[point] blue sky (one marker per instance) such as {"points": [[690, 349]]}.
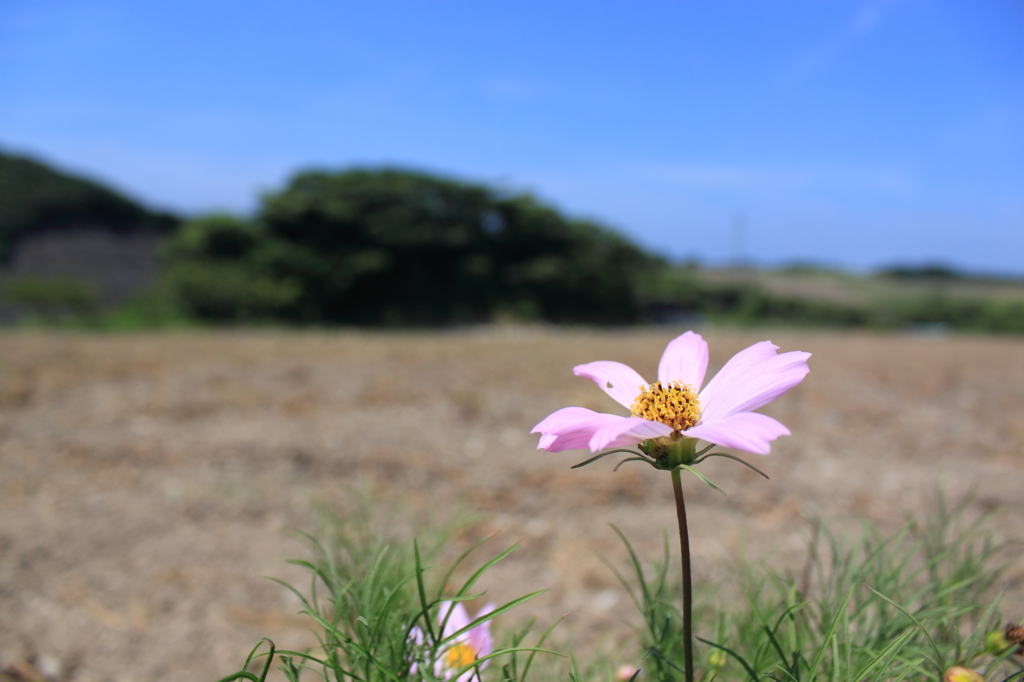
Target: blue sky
{"points": [[856, 134]]}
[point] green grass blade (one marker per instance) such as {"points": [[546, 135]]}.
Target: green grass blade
{"points": [[483, 569], [740, 659], [540, 643], [829, 633], [938, 654], [490, 615], [458, 562], [422, 592]]}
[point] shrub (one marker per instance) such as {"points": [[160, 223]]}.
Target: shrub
{"points": [[53, 297]]}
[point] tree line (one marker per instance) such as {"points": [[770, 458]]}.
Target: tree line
{"points": [[392, 247], [389, 247], [398, 248]]}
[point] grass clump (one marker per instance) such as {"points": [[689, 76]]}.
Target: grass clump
{"points": [[908, 606], [381, 609]]}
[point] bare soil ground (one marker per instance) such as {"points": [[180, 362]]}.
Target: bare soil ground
{"points": [[148, 481]]}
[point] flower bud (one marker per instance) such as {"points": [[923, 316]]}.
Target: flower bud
{"points": [[960, 674], [626, 673], [996, 642], [717, 658]]}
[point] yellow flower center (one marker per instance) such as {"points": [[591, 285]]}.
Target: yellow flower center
{"points": [[675, 405], [459, 655]]}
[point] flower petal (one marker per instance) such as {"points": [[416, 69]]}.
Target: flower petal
{"points": [[480, 636], [457, 617], [685, 359], [571, 428], [627, 431], [747, 431], [741, 361], [416, 635], [752, 378], [621, 382], [416, 638], [558, 418]]}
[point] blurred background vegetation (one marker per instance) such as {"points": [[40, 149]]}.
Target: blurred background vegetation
{"points": [[389, 247]]}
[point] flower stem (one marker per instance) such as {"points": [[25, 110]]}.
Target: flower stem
{"points": [[684, 551]]}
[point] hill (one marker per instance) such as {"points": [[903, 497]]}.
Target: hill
{"points": [[34, 196]]}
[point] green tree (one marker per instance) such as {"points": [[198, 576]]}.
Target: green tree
{"points": [[396, 247], [213, 271], [567, 271], [382, 247]]}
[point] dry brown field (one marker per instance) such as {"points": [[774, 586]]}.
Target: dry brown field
{"points": [[148, 481]]}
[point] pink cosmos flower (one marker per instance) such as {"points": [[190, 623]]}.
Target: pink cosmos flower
{"points": [[464, 649], [675, 407]]}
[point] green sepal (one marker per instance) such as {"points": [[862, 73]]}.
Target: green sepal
{"points": [[632, 459], [674, 453], [701, 477], [604, 454], [733, 457]]}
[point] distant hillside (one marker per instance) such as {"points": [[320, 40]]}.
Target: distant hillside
{"points": [[925, 297], [34, 196], [840, 287]]}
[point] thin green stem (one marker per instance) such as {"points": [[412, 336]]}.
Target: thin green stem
{"points": [[684, 552]]}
